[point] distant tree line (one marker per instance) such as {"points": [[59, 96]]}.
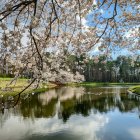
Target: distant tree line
{"points": [[122, 69], [95, 69]]}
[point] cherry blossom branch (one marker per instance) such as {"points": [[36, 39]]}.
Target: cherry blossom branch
{"points": [[14, 8]]}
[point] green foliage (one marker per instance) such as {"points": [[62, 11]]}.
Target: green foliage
{"points": [[6, 75], [108, 70]]}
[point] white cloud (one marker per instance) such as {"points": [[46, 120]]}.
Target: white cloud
{"points": [[131, 32], [94, 2], [76, 126], [102, 11], [135, 132], [84, 23]]}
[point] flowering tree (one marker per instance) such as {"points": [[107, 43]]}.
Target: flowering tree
{"points": [[31, 28]]}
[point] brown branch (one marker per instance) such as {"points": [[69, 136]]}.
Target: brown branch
{"points": [[102, 4], [108, 20], [14, 8], [54, 9], [35, 43], [35, 7], [101, 34], [19, 94]]}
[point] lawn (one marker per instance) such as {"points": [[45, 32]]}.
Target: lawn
{"points": [[100, 84], [19, 85], [135, 89]]}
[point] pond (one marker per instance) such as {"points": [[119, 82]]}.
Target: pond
{"points": [[74, 113]]}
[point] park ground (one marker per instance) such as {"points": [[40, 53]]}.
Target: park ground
{"points": [[135, 89], [18, 85]]}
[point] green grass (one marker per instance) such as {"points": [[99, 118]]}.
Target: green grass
{"points": [[100, 84], [19, 85], [135, 89], [39, 90], [16, 84]]}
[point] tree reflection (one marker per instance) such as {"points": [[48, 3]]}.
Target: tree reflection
{"points": [[68, 101]]}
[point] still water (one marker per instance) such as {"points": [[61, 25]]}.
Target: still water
{"points": [[74, 113]]}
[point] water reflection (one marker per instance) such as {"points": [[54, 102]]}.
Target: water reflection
{"points": [[74, 113], [71, 100]]}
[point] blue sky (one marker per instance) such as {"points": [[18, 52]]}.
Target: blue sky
{"points": [[106, 14]]}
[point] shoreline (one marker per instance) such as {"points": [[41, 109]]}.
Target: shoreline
{"points": [[14, 89]]}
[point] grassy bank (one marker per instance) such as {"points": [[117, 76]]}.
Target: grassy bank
{"points": [[19, 85], [100, 84], [16, 84], [135, 89]]}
